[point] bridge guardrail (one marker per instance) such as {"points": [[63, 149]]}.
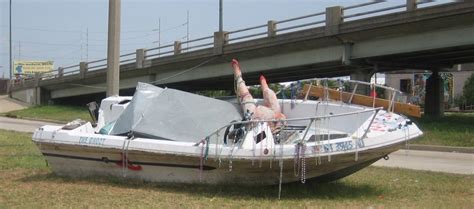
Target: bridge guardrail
{"points": [[260, 31]]}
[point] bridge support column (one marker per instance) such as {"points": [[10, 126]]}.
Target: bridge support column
{"points": [[140, 59], [220, 39], [434, 98], [83, 69], [333, 20], [361, 76]]}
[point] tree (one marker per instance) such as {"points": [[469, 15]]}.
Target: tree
{"points": [[468, 90]]}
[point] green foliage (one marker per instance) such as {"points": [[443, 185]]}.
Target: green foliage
{"points": [[214, 93], [18, 151], [52, 112], [468, 90], [450, 130], [28, 183]]}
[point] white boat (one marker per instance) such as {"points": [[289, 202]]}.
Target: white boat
{"points": [[166, 135]]}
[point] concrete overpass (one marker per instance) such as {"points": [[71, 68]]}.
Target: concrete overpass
{"points": [[339, 41]]}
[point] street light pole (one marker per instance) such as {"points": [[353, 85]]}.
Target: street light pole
{"points": [[221, 24], [113, 49], [11, 65]]}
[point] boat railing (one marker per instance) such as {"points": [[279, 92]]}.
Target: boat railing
{"points": [[284, 122], [347, 90]]}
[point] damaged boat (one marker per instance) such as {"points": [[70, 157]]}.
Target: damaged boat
{"points": [[167, 135]]}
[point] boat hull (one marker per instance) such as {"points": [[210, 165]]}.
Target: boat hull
{"points": [[84, 161]]}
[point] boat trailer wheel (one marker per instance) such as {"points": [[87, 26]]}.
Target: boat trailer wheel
{"points": [[386, 157]]}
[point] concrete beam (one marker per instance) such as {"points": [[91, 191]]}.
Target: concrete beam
{"points": [[140, 58], [261, 64], [271, 28], [220, 39], [429, 40], [411, 5], [77, 89], [347, 53], [60, 72], [83, 67], [177, 47], [333, 20]]}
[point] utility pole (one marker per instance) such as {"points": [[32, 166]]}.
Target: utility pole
{"points": [[159, 35], [82, 46], [19, 50], [221, 23], [187, 29], [11, 64], [113, 49], [87, 44]]}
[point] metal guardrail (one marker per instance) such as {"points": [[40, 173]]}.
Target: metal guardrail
{"points": [[260, 31]]}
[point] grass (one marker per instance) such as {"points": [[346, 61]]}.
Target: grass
{"points": [[454, 129], [26, 182], [52, 112]]}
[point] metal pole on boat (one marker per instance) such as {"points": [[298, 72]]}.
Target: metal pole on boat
{"points": [[113, 49]]}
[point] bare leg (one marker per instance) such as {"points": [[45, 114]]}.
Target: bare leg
{"points": [[270, 98], [245, 98]]}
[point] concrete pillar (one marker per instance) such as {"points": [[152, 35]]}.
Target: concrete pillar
{"points": [[60, 72], [271, 28], [37, 96], [37, 79], [411, 5], [434, 98], [113, 49], [346, 54], [220, 39], [333, 20], [361, 76], [140, 58], [177, 47], [83, 66]]}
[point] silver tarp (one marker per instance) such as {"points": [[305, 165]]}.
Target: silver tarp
{"points": [[174, 115]]}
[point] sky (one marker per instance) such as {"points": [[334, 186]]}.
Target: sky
{"points": [[70, 31]]}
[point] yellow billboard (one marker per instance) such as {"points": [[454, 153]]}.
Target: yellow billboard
{"points": [[32, 67]]}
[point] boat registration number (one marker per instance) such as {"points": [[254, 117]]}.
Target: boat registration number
{"points": [[340, 146], [91, 140]]}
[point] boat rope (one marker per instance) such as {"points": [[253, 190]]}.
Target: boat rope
{"points": [[296, 161], [407, 145], [318, 146], [261, 146], [373, 94], [231, 155], [303, 163], [328, 139], [203, 157], [255, 134], [281, 170], [356, 141], [122, 156], [216, 148], [341, 89], [407, 135]]}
